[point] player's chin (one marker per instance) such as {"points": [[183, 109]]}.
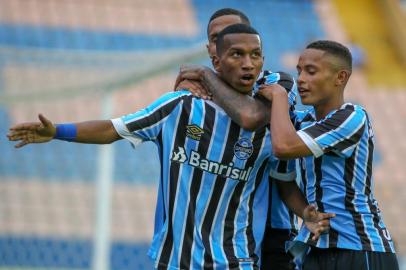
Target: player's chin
{"points": [[307, 101]]}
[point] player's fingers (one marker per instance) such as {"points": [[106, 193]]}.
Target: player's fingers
{"points": [[21, 144], [25, 126], [17, 135], [45, 121], [327, 215], [324, 223], [316, 236], [197, 89]]}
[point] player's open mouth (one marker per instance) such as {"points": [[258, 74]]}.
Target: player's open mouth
{"points": [[247, 79], [303, 91]]}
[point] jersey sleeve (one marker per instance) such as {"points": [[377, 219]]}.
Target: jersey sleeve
{"points": [[146, 124], [283, 170], [339, 132], [282, 78]]}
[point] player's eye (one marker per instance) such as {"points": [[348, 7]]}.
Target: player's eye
{"points": [[311, 71], [256, 54]]}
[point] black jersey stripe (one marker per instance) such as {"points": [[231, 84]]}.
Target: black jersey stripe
{"points": [[227, 157], [368, 189], [204, 144], [155, 117], [292, 220], [234, 203], [282, 166], [349, 169], [330, 123], [269, 213], [319, 192], [160, 147], [180, 138], [332, 238], [250, 234], [353, 139], [286, 81], [303, 176], [333, 234]]}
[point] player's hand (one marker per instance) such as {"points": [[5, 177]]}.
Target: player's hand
{"points": [[34, 132], [195, 73], [268, 91], [317, 222], [195, 87]]}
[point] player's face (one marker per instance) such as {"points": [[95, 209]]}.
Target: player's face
{"points": [[215, 27], [316, 78], [240, 62]]}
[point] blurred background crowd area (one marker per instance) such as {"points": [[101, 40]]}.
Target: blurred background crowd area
{"points": [[72, 206]]}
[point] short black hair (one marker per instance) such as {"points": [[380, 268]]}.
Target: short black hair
{"points": [[238, 28], [228, 11], [334, 48]]}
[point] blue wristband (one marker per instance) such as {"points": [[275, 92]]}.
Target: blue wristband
{"points": [[65, 132]]}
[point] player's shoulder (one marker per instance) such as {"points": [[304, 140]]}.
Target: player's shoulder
{"points": [[304, 114], [173, 96], [352, 106], [177, 94], [354, 109]]}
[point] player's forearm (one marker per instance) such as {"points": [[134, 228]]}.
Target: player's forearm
{"points": [[96, 132], [246, 111], [292, 197], [283, 132]]}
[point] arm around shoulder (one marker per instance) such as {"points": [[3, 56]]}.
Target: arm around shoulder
{"points": [[248, 112]]}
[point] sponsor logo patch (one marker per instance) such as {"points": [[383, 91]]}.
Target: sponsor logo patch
{"points": [[194, 132], [224, 170]]}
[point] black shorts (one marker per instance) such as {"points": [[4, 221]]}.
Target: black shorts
{"points": [[274, 256], [345, 259]]}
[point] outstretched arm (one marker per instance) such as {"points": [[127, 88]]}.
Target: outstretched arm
{"points": [[314, 220], [248, 112], [94, 132]]}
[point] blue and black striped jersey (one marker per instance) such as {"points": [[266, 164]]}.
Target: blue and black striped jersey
{"points": [[338, 179], [213, 191], [279, 215]]}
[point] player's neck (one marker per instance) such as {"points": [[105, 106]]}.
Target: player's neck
{"points": [[322, 110]]}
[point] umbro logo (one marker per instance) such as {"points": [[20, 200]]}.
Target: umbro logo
{"points": [[194, 132]]}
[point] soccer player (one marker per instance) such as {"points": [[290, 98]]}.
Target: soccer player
{"points": [[212, 194], [281, 222], [219, 20], [335, 144]]}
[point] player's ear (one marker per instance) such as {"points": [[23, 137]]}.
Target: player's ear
{"points": [[342, 77], [215, 60]]}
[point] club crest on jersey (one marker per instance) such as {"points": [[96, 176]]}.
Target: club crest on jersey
{"points": [[224, 170], [194, 132], [243, 148]]}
